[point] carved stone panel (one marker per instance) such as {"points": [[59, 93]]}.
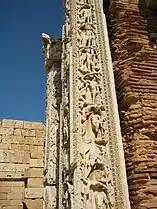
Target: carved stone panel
{"points": [[52, 58], [87, 158]]}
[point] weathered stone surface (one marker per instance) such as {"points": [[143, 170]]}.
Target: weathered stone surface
{"points": [[135, 70], [33, 193], [33, 204], [21, 149], [12, 123], [34, 172], [35, 182], [36, 163]]}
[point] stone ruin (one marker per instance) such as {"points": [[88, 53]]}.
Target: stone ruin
{"points": [[100, 137]]}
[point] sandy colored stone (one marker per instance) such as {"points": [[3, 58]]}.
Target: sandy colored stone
{"points": [[33, 204], [12, 156], [28, 132], [34, 173], [17, 193], [16, 202], [36, 163], [36, 152], [5, 146], [11, 207], [6, 131], [11, 183], [35, 182], [11, 175], [5, 190], [40, 133], [33, 125], [12, 139], [34, 141], [3, 196], [31, 193], [12, 123], [18, 132], [5, 202], [20, 147]]}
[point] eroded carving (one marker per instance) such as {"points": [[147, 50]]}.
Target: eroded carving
{"points": [[52, 58], [51, 50]]}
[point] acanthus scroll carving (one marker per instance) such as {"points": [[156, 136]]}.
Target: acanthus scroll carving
{"points": [[94, 166]]}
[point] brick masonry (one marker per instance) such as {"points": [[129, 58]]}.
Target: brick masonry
{"points": [[21, 164], [135, 68]]}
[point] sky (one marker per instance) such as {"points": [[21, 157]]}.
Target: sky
{"points": [[22, 73]]}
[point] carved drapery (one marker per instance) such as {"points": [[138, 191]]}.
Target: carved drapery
{"points": [[52, 58], [91, 163]]}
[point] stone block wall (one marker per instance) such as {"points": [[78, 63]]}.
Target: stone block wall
{"points": [[21, 164]]}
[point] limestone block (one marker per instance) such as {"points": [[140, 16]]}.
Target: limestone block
{"points": [[3, 196], [17, 193], [5, 190], [40, 133], [33, 125], [33, 204], [31, 193], [7, 167], [34, 173], [12, 123], [11, 167], [36, 163], [11, 175], [21, 167], [34, 140], [5, 202], [6, 131], [28, 132], [12, 139], [12, 156], [36, 152], [20, 147], [17, 132], [35, 182], [5, 146], [16, 202], [11, 207]]}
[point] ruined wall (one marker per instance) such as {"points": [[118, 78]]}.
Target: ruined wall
{"points": [[21, 166], [135, 68]]}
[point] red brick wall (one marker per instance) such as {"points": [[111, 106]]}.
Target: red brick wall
{"points": [[135, 68]]}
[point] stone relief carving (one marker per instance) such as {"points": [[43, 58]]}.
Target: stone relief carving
{"points": [[51, 50], [52, 58], [84, 179], [97, 189]]}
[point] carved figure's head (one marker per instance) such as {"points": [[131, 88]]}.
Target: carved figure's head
{"points": [[51, 50]]}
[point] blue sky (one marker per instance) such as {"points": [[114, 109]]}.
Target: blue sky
{"points": [[22, 74]]}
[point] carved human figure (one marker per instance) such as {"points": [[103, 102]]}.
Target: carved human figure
{"points": [[98, 195], [85, 15]]}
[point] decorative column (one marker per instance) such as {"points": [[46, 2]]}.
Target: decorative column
{"points": [[91, 159], [52, 57]]}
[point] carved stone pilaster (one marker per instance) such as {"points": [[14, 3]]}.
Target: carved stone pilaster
{"points": [[52, 57], [92, 168]]}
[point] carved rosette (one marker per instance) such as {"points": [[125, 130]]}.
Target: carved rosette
{"points": [[90, 154], [52, 58]]}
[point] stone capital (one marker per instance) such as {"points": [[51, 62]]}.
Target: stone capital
{"points": [[51, 50]]}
